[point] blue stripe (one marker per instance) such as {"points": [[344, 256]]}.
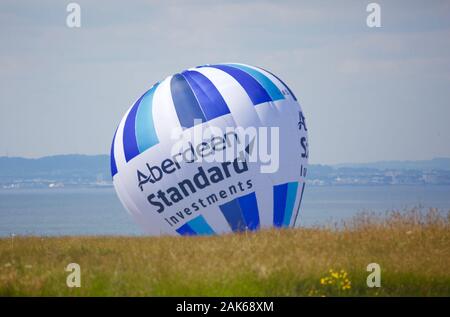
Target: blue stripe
{"points": [[249, 208], [269, 86], [290, 201], [279, 204], [113, 160], [186, 105], [299, 203], [210, 99], [130, 146], [255, 91], [200, 226], [233, 215], [145, 127], [186, 230], [287, 87]]}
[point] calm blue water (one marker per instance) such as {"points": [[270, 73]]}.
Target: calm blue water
{"points": [[99, 212]]}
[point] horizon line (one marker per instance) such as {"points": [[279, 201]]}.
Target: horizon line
{"points": [[309, 163]]}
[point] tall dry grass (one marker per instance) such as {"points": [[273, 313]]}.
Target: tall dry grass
{"points": [[413, 250]]}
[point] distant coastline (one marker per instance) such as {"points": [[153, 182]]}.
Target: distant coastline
{"points": [[92, 171]]}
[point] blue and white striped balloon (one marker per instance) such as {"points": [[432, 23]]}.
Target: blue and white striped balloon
{"points": [[168, 193]]}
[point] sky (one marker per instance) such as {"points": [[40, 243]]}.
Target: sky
{"points": [[368, 94]]}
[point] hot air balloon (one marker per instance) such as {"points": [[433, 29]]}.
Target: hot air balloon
{"points": [[211, 150]]}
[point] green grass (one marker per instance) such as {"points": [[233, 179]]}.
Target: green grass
{"points": [[413, 251]]}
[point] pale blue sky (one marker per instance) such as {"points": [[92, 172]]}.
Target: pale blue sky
{"points": [[368, 93]]}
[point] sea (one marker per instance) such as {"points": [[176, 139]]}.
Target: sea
{"points": [[97, 211]]}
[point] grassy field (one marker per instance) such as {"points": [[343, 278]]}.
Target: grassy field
{"points": [[413, 252]]}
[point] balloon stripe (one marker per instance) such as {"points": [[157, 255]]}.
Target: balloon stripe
{"points": [[269, 86], [186, 230], [145, 127], [299, 204], [119, 154], [209, 98], [113, 160], [186, 105], [164, 114], [255, 91], [129, 134], [291, 194], [287, 87], [238, 101], [200, 226], [233, 214], [249, 207], [279, 203]]}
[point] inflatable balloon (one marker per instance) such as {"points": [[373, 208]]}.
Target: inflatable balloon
{"points": [[212, 150]]}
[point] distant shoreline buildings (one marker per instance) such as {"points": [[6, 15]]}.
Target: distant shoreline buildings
{"points": [[81, 171], [361, 176]]}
